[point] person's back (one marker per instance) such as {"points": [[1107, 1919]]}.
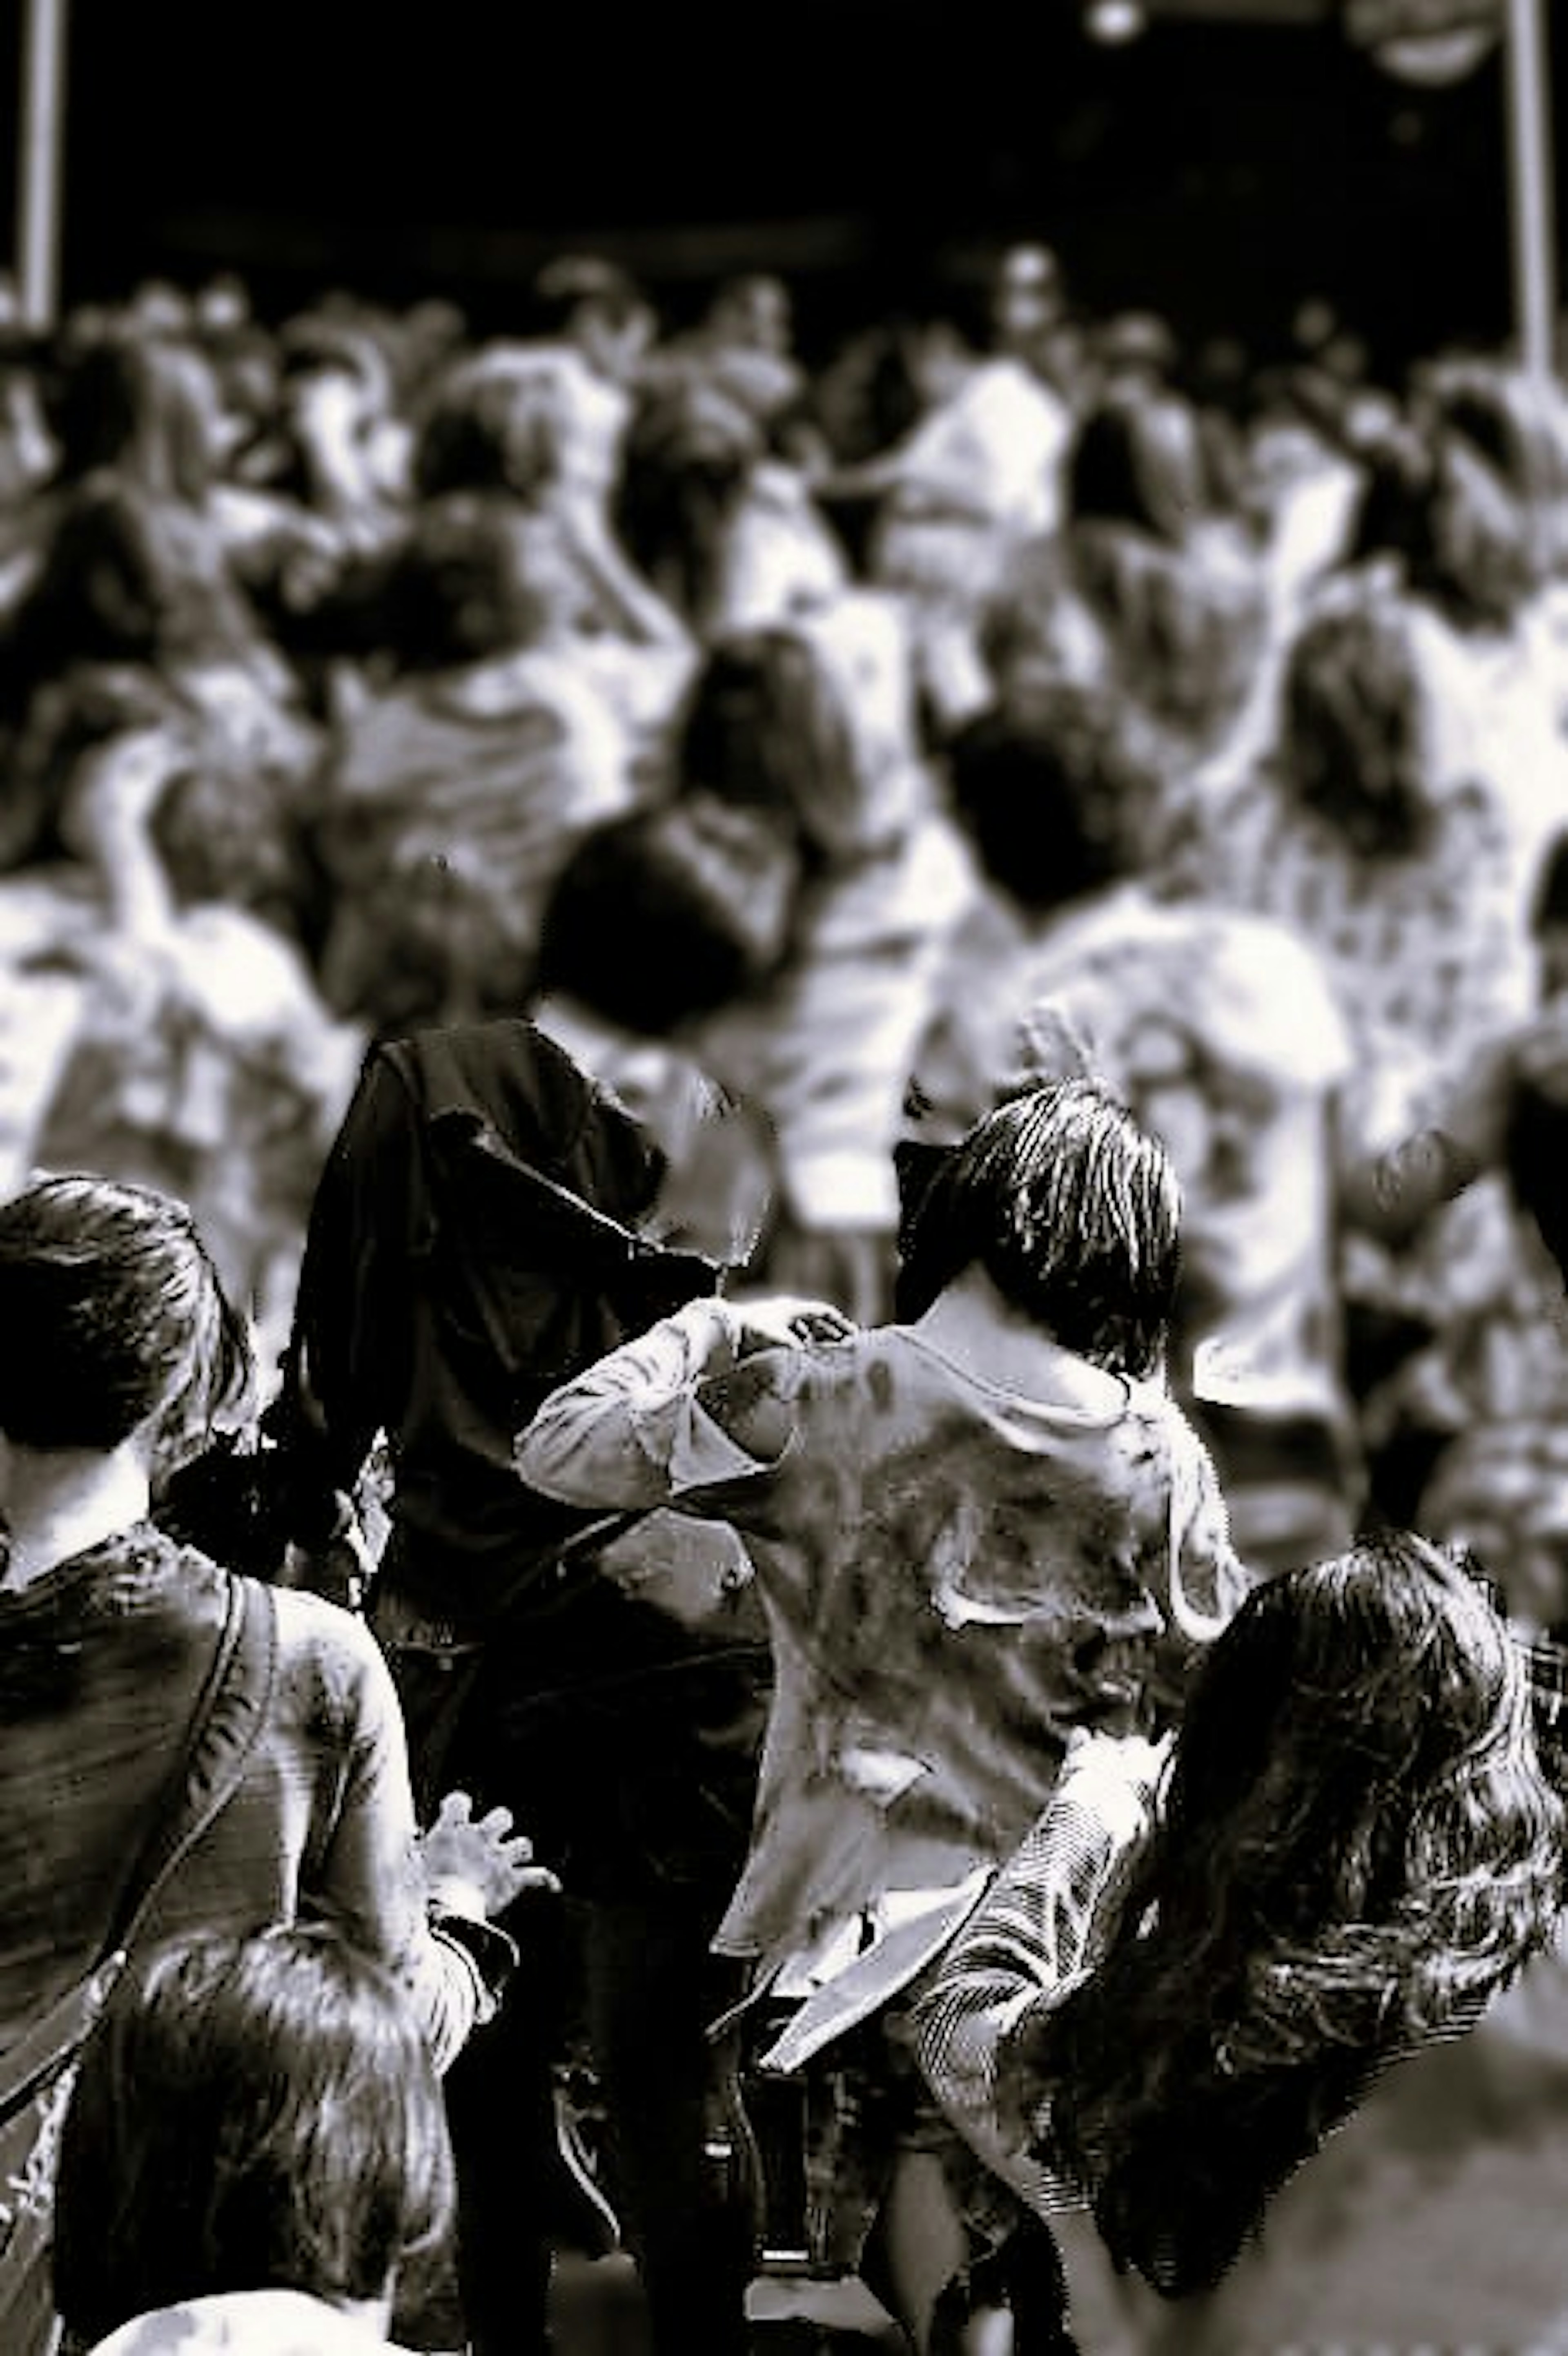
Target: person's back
{"points": [[454, 794], [957, 1574], [476, 1234], [973, 1529]]}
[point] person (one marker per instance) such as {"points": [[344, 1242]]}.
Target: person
{"points": [[1476, 1190], [452, 798], [491, 1216], [253, 2151], [1198, 1963], [980, 469], [972, 1530], [506, 417], [125, 1355], [1153, 563], [799, 740], [724, 528], [131, 622], [200, 1056], [1221, 1031]]}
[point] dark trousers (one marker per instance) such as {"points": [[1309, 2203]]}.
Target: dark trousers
{"points": [[630, 1970], [652, 1987]]}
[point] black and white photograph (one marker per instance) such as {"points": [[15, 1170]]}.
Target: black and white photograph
{"points": [[783, 1178]]}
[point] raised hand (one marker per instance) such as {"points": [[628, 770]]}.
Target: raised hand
{"points": [[477, 1866]]}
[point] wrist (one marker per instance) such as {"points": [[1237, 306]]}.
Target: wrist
{"points": [[453, 1894]]}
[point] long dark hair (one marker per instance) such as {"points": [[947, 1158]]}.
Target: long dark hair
{"points": [[766, 727], [1357, 1848]]}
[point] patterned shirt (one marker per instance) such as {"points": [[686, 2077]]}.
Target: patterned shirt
{"points": [[100, 1662], [954, 1578]]}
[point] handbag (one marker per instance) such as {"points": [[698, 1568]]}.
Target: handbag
{"points": [[38, 2072]]}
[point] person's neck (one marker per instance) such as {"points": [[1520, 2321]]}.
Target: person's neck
{"points": [[974, 1329], [59, 1502]]}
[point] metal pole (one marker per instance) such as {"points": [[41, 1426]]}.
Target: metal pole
{"points": [[39, 174], [1531, 210]]}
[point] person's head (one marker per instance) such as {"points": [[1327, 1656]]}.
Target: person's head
{"points": [[252, 2112], [1027, 299], [1501, 1489], [1073, 1214], [1139, 459], [476, 577], [585, 300], [672, 912], [144, 404], [719, 1155], [1356, 1846], [227, 835], [1057, 793], [765, 728], [126, 579], [1354, 736], [689, 459], [494, 421], [118, 1328], [754, 313], [1134, 350]]}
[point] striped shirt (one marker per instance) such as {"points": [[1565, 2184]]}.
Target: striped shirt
{"points": [[1046, 1920]]}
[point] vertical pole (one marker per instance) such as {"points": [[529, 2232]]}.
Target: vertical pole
{"points": [[1531, 207], [39, 175]]}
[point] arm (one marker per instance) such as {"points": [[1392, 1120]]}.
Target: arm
{"points": [[1030, 1940], [346, 1371], [112, 801], [1389, 1194], [406, 1900], [671, 1415]]}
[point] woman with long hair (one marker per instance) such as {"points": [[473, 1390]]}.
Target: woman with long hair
{"points": [[1196, 1967]]}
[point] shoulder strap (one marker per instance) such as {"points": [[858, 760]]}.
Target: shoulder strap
{"points": [[230, 1713]]}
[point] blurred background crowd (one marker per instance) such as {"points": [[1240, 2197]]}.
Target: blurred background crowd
{"points": [[1008, 685]]}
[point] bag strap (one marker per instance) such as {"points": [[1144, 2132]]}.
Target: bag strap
{"points": [[230, 1714], [241, 1671]]}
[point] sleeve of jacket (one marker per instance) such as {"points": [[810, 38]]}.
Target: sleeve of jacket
{"points": [[365, 1872], [651, 1423], [1026, 1946], [348, 1366]]}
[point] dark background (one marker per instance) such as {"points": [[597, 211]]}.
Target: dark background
{"points": [[867, 148]]}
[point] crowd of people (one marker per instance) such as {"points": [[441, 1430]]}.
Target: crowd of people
{"points": [[841, 1083]]}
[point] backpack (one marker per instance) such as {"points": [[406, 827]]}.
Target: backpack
{"points": [[38, 2072]]}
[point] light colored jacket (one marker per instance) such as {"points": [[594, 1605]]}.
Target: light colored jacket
{"points": [[954, 1578]]}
